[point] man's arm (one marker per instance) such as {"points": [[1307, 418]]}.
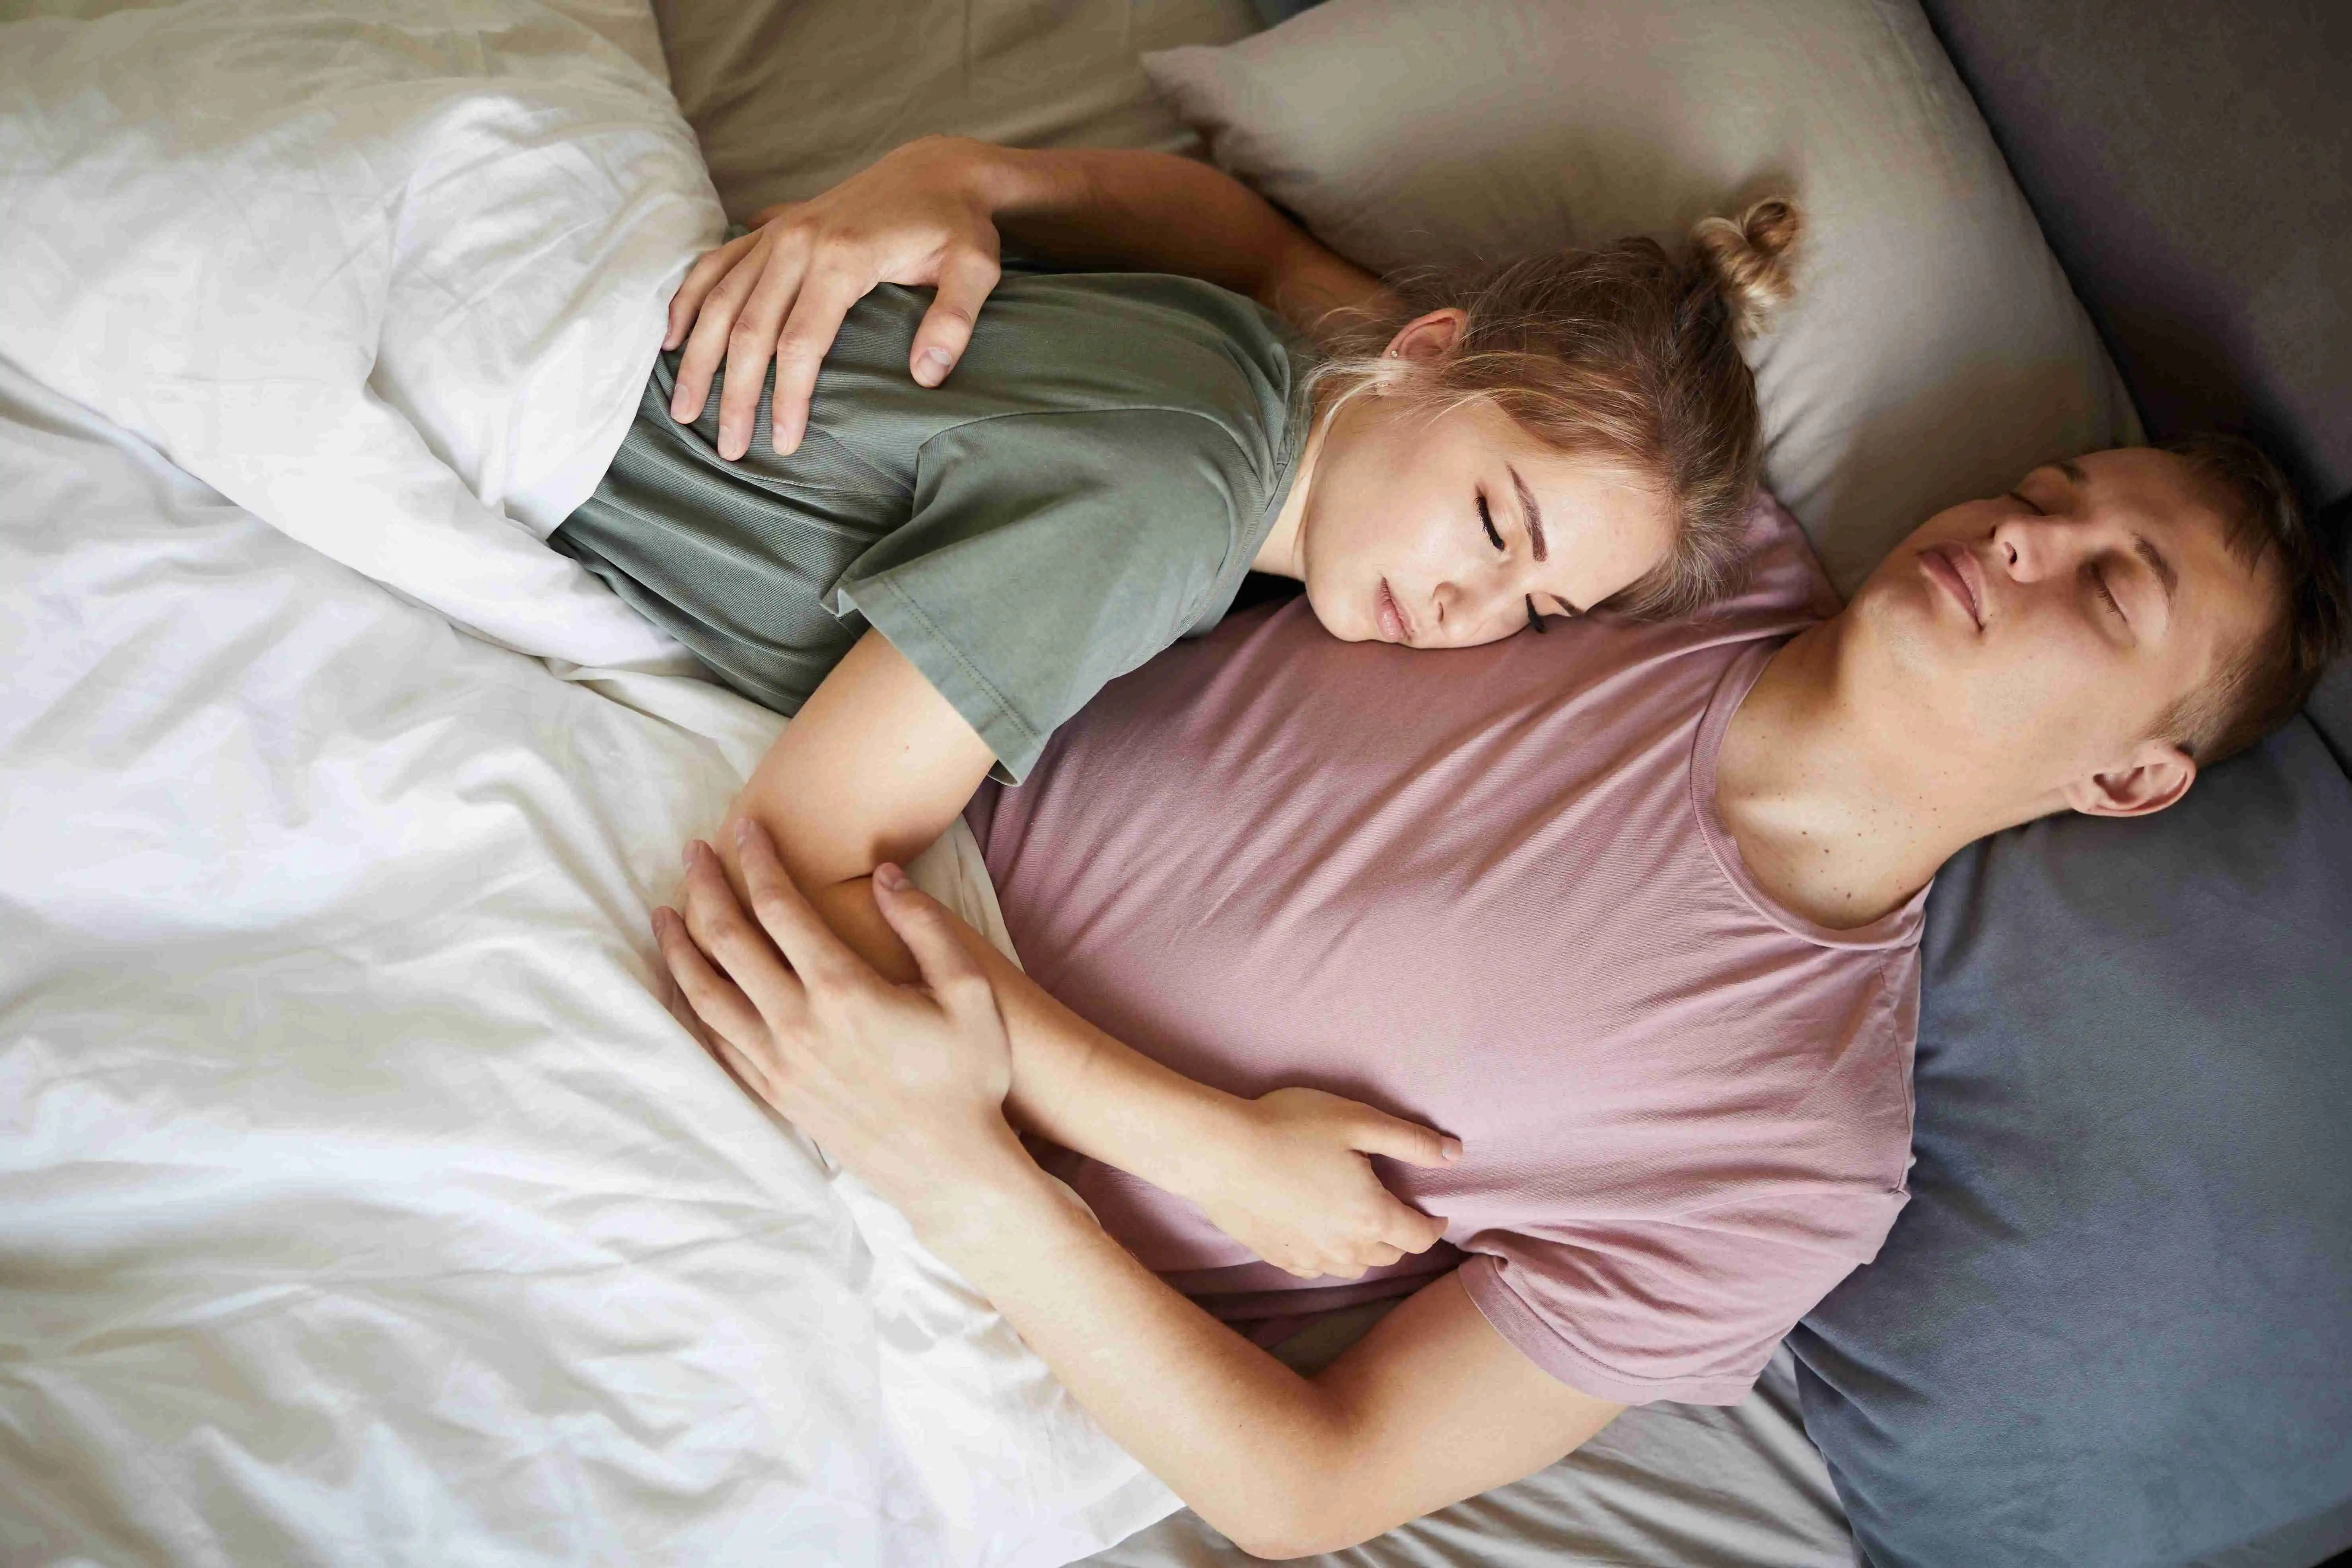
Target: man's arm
{"points": [[902, 1085], [928, 214]]}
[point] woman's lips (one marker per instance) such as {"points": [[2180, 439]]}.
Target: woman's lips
{"points": [[1390, 614], [1939, 565]]}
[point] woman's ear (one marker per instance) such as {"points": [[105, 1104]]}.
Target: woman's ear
{"points": [[1428, 337]]}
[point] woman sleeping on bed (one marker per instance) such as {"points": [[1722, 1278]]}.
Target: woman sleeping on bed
{"points": [[931, 580]]}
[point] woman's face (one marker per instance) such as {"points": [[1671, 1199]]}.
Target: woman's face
{"points": [[1451, 529]]}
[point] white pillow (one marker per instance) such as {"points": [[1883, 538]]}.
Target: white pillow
{"points": [[1934, 352]]}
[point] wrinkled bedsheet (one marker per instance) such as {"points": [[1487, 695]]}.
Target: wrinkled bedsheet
{"points": [[358, 1201]]}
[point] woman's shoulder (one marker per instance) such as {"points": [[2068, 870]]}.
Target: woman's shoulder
{"points": [[1101, 340]]}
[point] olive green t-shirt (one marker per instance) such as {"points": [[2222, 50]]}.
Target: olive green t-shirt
{"points": [[1090, 484]]}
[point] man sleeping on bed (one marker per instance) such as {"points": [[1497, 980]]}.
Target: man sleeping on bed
{"points": [[1631, 910]]}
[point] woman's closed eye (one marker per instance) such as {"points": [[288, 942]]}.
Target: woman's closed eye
{"points": [[1487, 521]]}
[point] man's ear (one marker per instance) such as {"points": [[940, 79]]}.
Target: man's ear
{"points": [[1428, 337], [2159, 774]]}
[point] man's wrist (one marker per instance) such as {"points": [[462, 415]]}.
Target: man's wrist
{"points": [[988, 1199], [1021, 182]]}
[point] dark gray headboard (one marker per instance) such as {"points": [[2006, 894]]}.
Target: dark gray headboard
{"points": [[2191, 162]]}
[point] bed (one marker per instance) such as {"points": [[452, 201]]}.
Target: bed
{"points": [[358, 1202]]}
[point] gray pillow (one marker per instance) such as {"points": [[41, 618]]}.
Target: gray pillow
{"points": [[2114, 1326], [1934, 352]]}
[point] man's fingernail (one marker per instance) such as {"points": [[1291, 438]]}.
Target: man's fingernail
{"points": [[933, 367], [889, 876], [742, 832]]}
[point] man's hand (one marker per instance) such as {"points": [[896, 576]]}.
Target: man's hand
{"points": [[903, 1085], [1295, 1184], [919, 217]]}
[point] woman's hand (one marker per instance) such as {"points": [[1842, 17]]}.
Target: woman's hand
{"points": [[920, 215], [1294, 1185], [903, 1085]]}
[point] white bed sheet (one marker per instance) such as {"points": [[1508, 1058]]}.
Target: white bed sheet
{"points": [[358, 1202]]}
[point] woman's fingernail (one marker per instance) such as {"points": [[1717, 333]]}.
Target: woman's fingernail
{"points": [[742, 832], [889, 876], [933, 367], [686, 855], [1452, 1148]]}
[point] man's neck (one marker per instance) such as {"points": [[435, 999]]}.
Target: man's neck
{"points": [[1834, 806]]}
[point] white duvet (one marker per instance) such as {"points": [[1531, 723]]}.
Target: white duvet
{"points": [[359, 1202]]}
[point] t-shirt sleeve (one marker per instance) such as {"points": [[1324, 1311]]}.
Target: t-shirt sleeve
{"points": [[1686, 1308], [1050, 553]]}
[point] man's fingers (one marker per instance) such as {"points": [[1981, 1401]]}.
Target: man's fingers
{"points": [[965, 282], [736, 946], [752, 342], [1377, 1133], [928, 931], [716, 1001], [824, 298], [706, 344], [700, 278], [808, 943]]}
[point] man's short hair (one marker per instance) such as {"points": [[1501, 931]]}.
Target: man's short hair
{"points": [[2262, 687]]}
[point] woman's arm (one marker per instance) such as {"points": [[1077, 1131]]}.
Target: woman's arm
{"points": [[874, 766], [928, 214], [899, 1084]]}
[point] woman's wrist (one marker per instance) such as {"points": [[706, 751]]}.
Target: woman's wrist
{"points": [[1192, 1148]]}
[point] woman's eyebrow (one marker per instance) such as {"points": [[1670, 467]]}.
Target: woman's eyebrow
{"points": [[1533, 513]]}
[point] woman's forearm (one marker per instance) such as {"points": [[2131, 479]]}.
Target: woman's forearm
{"points": [[1165, 214], [1072, 1084]]}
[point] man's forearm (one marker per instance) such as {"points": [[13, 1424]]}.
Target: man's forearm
{"points": [[1254, 1447], [1159, 212]]}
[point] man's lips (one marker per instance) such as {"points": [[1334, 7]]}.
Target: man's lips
{"points": [[1958, 574], [1390, 614]]}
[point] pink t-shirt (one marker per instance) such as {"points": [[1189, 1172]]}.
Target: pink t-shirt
{"points": [[1486, 889]]}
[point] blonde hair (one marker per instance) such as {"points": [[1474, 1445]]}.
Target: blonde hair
{"points": [[1625, 353]]}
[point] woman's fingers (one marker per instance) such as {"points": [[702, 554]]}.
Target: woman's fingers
{"points": [[966, 280], [822, 304], [1410, 1230], [1376, 1133]]}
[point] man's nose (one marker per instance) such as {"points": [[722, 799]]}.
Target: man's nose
{"points": [[2030, 548]]}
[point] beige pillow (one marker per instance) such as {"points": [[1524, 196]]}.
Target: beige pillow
{"points": [[789, 97], [1934, 352]]}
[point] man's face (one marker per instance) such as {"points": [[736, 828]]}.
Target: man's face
{"points": [[2032, 644]]}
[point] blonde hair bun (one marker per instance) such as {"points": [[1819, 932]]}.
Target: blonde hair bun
{"points": [[1750, 259]]}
